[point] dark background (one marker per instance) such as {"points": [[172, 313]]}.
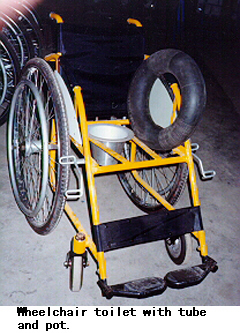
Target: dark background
{"points": [[166, 23]]}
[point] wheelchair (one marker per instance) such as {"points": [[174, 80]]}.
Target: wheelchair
{"points": [[49, 132]]}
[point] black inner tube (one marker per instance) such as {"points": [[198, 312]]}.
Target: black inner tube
{"points": [[193, 92]]}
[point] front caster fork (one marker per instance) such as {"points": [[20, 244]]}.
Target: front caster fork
{"points": [[76, 261]]}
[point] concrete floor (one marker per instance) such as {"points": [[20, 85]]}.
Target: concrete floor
{"points": [[32, 271]]}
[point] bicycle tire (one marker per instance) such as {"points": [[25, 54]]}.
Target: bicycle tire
{"points": [[26, 22], [19, 38], [10, 75], [28, 148], [40, 73]]}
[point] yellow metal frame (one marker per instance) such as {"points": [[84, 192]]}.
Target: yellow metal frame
{"points": [[182, 154]]}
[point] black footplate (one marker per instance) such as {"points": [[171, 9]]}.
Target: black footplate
{"points": [[147, 287], [187, 277], [140, 288]]}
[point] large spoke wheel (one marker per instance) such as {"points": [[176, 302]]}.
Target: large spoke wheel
{"points": [[37, 139], [168, 181], [28, 158]]}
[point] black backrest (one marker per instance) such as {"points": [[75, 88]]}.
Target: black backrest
{"points": [[102, 61]]}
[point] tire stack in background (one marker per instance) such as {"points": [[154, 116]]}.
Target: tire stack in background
{"points": [[21, 38]]}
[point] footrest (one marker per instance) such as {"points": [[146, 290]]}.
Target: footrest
{"points": [[140, 288], [183, 278]]}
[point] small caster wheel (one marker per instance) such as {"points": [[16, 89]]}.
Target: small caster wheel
{"points": [[76, 265], [179, 248]]}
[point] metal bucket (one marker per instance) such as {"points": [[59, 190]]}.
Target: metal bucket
{"points": [[113, 136]]}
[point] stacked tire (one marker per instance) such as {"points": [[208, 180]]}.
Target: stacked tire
{"points": [[21, 38]]}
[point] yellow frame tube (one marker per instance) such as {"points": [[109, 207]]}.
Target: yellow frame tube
{"points": [[90, 178], [131, 165], [77, 224], [200, 235]]}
